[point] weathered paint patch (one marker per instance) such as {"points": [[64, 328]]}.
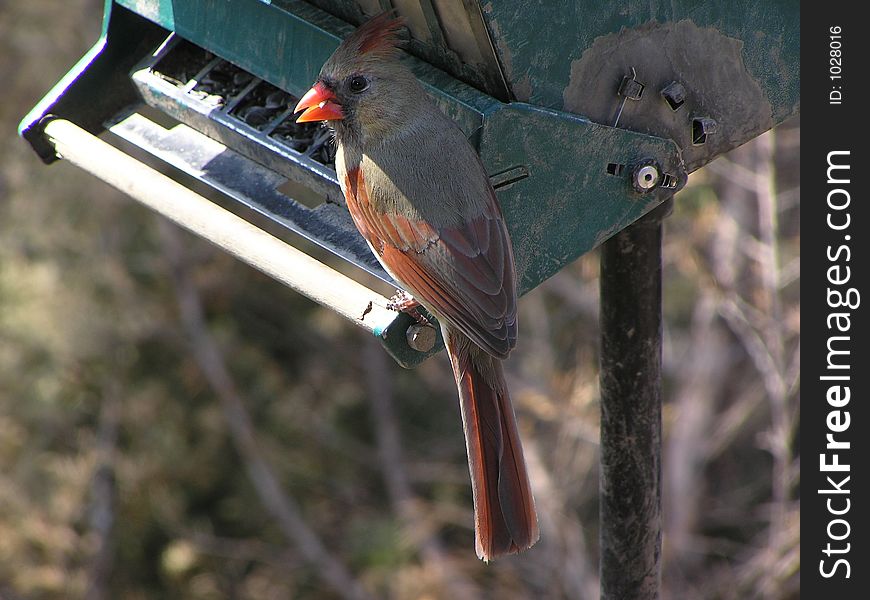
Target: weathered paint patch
{"points": [[709, 64], [540, 41]]}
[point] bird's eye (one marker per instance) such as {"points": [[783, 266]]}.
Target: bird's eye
{"points": [[358, 84]]}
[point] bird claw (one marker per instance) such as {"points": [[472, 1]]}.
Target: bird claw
{"points": [[402, 301]]}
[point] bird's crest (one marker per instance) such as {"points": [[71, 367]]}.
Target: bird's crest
{"points": [[376, 37]]}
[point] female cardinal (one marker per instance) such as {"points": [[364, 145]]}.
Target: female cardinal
{"points": [[420, 196]]}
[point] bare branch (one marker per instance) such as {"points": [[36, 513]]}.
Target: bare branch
{"points": [[687, 445], [566, 557], [402, 498], [280, 505], [104, 494], [773, 331]]}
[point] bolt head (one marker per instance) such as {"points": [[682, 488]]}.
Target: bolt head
{"points": [[421, 337], [646, 177]]}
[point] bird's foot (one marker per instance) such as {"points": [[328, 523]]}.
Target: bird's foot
{"points": [[402, 301]]}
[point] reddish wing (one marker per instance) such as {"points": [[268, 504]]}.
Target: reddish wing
{"points": [[465, 274]]}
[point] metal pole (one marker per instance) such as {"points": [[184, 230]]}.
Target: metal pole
{"points": [[631, 398]]}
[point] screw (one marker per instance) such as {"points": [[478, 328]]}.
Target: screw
{"points": [[646, 176], [421, 337]]}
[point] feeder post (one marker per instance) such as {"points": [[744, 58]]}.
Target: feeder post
{"points": [[631, 400]]}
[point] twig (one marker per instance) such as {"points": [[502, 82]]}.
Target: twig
{"points": [[104, 495], [561, 563], [566, 559], [687, 449], [764, 361], [759, 325], [731, 422], [280, 505], [773, 332], [252, 550], [402, 498], [742, 176]]}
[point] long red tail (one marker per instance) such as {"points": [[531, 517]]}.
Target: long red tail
{"points": [[504, 509]]}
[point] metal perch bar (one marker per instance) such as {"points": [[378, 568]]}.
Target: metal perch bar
{"points": [[352, 300], [631, 400]]}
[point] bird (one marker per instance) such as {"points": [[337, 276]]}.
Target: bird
{"points": [[419, 194]]}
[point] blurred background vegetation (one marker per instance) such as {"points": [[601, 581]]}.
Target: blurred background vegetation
{"points": [[175, 425]]}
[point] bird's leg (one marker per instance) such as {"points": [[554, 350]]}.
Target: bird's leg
{"points": [[404, 302]]}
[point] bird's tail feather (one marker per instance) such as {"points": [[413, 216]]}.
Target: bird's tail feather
{"points": [[505, 521]]}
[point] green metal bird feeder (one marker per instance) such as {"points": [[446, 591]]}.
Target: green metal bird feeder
{"points": [[587, 115]]}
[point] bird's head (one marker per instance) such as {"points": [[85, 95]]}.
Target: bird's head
{"points": [[363, 90]]}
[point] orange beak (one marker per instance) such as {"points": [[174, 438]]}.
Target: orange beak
{"points": [[318, 105]]}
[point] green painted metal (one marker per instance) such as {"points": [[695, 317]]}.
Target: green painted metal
{"points": [[550, 152], [539, 58], [286, 43], [568, 204], [557, 196], [106, 66], [739, 61], [394, 340]]}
